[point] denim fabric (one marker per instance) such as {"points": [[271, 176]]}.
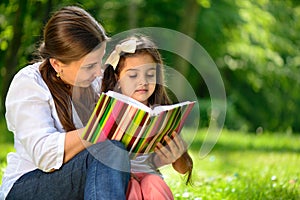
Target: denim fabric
{"points": [[99, 172]]}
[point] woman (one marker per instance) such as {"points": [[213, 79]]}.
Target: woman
{"points": [[48, 104]]}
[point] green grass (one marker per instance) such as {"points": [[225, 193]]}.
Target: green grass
{"points": [[240, 166]]}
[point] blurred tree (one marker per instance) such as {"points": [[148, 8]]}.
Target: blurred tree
{"points": [[10, 63], [261, 64], [254, 43], [21, 31]]}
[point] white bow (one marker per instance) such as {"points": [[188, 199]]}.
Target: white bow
{"points": [[127, 47]]}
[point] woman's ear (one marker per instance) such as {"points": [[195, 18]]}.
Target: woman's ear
{"points": [[56, 64]]}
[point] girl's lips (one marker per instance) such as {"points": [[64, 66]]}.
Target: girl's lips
{"points": [[142, 90]]}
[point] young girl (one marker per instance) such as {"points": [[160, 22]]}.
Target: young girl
{"points": [[135, 68]]}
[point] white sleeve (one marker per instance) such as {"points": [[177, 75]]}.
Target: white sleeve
{"points": [[29, 115]]}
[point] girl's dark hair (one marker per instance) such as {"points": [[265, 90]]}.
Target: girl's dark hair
{"points": [[70, 34], [159, 96], [144, 46]]}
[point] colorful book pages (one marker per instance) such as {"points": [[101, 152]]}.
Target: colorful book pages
{"points": [[138, 129]]}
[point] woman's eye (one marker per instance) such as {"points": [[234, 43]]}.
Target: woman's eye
{"points": [[89, 67]]}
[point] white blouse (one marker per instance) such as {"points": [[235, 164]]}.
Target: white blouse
{"points": [[38, 133]]}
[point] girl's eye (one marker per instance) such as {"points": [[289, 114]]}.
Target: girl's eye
{"points": [[151, 75], [132, 75]]}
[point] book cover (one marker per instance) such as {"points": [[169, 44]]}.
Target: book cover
{"points": [[137, 126]]}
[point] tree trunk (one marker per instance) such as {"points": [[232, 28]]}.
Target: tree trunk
{"points": [[11, 62], [187, 26], [132, 14]]}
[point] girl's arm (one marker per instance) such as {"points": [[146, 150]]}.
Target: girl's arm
{"points": [[183, 164], [174, 153]]}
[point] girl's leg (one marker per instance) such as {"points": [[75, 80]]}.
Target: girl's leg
{"points": [[84, 176], [134, 191], [154, 187]]}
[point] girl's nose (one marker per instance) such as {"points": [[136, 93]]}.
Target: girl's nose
{"points": [[143, 80]]}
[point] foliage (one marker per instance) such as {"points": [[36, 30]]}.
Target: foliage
{"points": [[261, 64], [5, 149], [254, 43], [5, 135]]}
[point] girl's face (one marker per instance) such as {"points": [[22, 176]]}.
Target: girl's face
{"points": [[83, 72], [138, 77]]}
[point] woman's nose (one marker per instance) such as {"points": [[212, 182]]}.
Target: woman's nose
{"points": [[98, 70]]}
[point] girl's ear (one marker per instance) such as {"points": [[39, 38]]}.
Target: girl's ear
{"points": [[117, 81], [118, 87], [56, 64]]}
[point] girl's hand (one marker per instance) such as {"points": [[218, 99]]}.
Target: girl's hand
{"points": [[169, 153]]}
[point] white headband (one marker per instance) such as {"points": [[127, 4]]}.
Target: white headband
{"points": [[126, 47]]}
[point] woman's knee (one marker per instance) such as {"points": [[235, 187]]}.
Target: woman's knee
{"points": [[106, 146], [112, 154], [117, 144]]}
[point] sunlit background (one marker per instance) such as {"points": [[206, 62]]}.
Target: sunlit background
{"points": [[255, 45]]}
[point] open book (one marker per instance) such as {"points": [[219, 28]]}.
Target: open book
{"points": [[138, 127]]}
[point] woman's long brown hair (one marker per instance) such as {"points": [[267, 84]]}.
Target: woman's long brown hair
{"points": [[70, 34], [159, 96]]}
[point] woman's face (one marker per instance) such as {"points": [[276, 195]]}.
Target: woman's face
{"points": [[83, 72], [138, 77]]}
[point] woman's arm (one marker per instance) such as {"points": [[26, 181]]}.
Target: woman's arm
{"points": [[74, 144], [38, 133]]}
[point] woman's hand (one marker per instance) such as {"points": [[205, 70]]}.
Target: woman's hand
{"points": [[169, 153]]}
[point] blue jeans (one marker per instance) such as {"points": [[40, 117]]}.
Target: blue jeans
{"points": [[100, 172]]}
